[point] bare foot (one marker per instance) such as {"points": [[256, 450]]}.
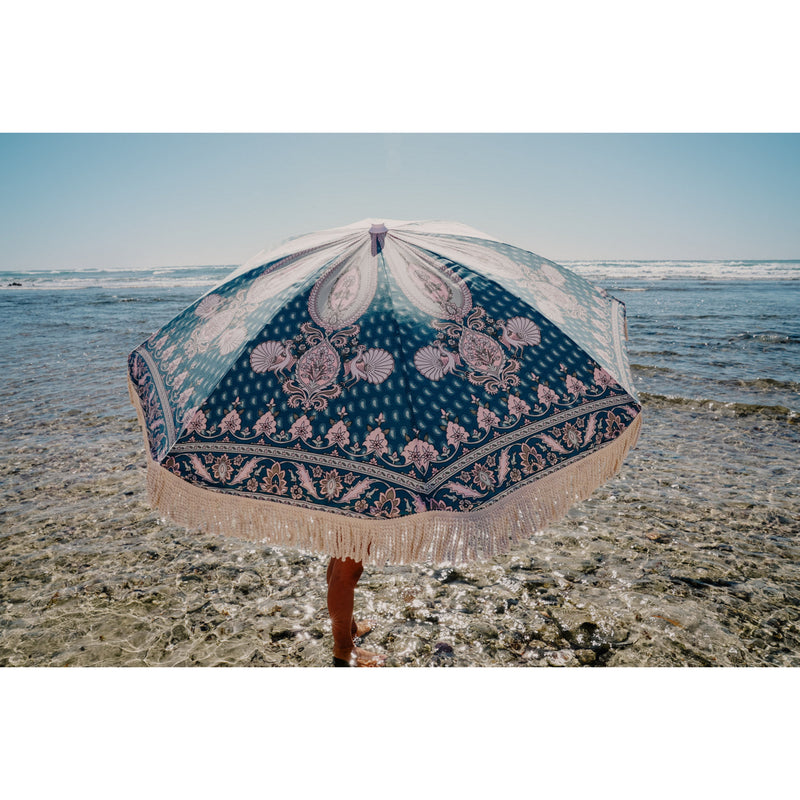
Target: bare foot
{"points": [[362, 627], [358, 657], [366, 658]]}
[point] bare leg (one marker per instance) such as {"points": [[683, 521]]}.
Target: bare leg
{"points": [[362, 627], [342, 577]]}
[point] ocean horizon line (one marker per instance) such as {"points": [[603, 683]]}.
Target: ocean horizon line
{"points": [[565, 261]]}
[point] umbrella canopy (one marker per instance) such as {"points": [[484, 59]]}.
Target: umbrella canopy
{"points": [[390, 392]]}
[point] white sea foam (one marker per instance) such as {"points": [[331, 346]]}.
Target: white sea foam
{"points": [[114, 278], [619, 271], [607, 273]]}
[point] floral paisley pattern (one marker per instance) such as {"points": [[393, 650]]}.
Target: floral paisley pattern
{"points": [[381, 385], [314, 381], [484, 359]]}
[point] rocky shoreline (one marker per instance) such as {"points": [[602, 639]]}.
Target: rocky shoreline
{"points": [[690, 557]]}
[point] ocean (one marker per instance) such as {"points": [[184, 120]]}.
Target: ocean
{"points": [[690, 556]]}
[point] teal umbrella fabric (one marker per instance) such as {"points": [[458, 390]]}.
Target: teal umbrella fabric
{"points": [[392, 392]]}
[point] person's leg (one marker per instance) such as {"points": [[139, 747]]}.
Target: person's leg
{"points": [[342, 577], [361, 628]]}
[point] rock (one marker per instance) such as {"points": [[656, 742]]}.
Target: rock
{"points": [[560, 658], [282, 629], [482, 630], [585, 635], [248, 581], [548, 632], [448, 575], [443, 655], [534, 583], [179, 634], [585, 657], [550, 599]]}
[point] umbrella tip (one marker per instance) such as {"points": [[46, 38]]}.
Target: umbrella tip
{"points": [[378, 233]]}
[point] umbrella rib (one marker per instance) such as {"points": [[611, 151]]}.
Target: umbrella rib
{"points": [[398, 338]]}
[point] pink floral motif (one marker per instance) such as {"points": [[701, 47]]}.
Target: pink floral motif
{"points": [[481, 352], [420, 454], [197, 423], [376, 442], [487, 419], [265, 424], [483, 476], [602, 378], [390, 498], [456, 434], [517, 407], [546, 395], [528, 455], [318, 366], [222, 469], [314, 382], [614, 425], [301, 428], [331, 485], [274, 481], [338, 435], [571, 436], [231, 423], [574, 386]]}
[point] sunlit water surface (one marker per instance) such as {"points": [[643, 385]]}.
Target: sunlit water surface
{"points": [[689, 557]]}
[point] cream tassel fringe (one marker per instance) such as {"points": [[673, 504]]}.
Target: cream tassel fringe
{"points": [[431, 536]]}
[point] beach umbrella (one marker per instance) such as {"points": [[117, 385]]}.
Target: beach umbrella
{"points": [[391, 392]]}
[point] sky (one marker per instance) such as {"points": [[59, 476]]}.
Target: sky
{"points": [[144, 200]]}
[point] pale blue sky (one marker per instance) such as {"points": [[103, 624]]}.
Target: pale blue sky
{"points": [[137, 200]]}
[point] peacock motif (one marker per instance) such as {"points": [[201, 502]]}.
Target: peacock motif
{"points": [[486, 361]]}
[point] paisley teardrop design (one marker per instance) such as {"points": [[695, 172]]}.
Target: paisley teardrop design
{"points": [[345, 291], [481, 352], [433, 288], [318, 367]]}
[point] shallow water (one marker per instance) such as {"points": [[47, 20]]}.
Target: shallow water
{"points": [[681, 560], [691, 556]]}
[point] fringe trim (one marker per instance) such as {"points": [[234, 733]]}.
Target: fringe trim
{"points": [[431, 536]]}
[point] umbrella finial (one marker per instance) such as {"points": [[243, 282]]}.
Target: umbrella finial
{"points": [[378, 233]]}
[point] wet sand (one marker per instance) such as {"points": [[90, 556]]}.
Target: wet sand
{"points": [[690, 557]]}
